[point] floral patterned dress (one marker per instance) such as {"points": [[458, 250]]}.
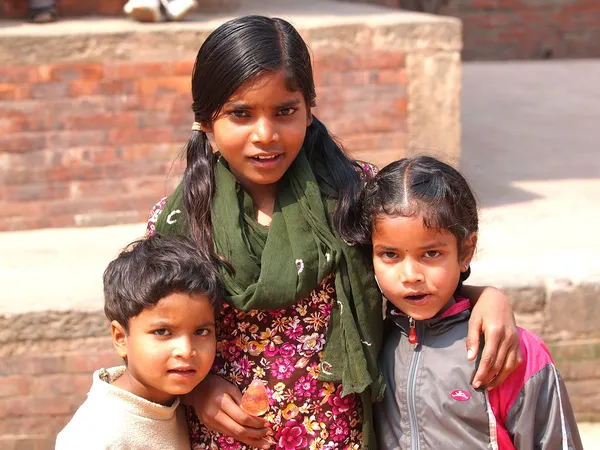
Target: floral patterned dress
{"points": [[284, 348]]}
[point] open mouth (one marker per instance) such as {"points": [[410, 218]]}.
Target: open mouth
{"points": [[264, 158], [415, 298]]}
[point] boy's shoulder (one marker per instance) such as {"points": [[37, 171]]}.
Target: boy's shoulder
{"points": [[111, 418], [98, 422]]}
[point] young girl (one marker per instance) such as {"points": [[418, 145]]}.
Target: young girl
{"points": [[302, 310], [419, 218]]}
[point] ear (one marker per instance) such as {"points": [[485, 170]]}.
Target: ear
{"points": [[469, 245], [119, 338], [309, 117], [210, 135]]}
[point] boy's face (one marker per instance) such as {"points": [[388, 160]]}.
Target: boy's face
{"points": [[417, 268], [169, 348]]}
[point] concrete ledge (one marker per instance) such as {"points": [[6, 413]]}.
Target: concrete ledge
{"points": [[102, 40]]}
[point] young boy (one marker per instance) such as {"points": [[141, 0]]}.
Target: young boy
{"points": [[161, 297]]}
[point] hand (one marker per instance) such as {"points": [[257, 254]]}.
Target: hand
{"points": [[493, 315], [216, 402]]}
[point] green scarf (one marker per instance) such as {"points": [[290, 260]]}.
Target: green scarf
{"points": [[276, 267]]}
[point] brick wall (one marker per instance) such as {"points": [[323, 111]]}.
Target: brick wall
{"points": [[40, 390], [91, 132], [92, 144], [528, 29], [47, 358], [521, 29]]}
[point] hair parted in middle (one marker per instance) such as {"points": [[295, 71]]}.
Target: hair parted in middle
{"points": [[153, 268], [237, 52], [418, 186]]}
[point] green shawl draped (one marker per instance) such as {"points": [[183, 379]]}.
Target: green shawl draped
{"points": [[278, 266]]}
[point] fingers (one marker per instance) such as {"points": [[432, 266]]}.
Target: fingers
{"points": [[473, 336], [511, 363], [215, 401], [232, 421], [254, 437], [233, 410], [485, 372]]}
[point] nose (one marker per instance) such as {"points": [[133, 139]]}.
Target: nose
{"points": [[265, 131], [184, 348], [410, 272]]}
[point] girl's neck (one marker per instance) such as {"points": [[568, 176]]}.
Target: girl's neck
{"points": [[263, 198]]}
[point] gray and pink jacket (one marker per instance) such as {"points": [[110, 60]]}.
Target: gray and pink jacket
{"points": [[429, 402]]}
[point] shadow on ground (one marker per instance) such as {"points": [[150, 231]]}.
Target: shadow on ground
{"points": [[529, 121]]}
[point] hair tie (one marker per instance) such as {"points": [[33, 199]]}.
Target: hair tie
{"points": [[196, 126]]}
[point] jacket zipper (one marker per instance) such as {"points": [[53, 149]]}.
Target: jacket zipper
{"points": [[412, 381]]}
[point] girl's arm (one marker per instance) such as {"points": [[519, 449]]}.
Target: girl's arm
{"points": [[216, 402], [493, 316]]}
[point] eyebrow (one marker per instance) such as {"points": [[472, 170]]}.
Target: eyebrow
{"points": [[427, 246], [165, 323], [247, 106], [433, 244]]}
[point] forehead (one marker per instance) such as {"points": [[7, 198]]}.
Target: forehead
{"points": [[407, 232], [269, 87], [179, 308]]}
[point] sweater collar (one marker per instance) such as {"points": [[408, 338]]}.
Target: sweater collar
{"points": [[102, 387]]}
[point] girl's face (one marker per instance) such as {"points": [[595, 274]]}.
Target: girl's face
{"points": [[417, 268], [260, 131]]}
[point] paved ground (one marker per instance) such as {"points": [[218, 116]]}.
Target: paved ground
{"points": [[530, 149]]}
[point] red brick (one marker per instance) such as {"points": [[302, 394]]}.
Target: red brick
{"points": [[38, 405], [184, 68], [58, 384], [33, 192], [13, 385], [100, 121], [83, 88], [48, 90], [33, 425], [31, 365], [149, 136], [87, 363], [136, 71], [76, 72], [75, 138], [14, 92], [165, 85], [22, 142]]}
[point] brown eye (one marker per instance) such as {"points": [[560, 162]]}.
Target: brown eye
{"points": [[287, 111]]}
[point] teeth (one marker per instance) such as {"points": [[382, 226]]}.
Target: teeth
{"points": [[266, 157]]}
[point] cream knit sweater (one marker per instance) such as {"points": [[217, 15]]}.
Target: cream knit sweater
{"points": [[112, 418]]}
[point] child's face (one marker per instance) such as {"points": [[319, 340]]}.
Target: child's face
{"points": [[417, 268], [260, 130], [169, 348]]}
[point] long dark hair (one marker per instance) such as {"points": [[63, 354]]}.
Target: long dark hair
{"points": [[238, 51], [417, 186]]}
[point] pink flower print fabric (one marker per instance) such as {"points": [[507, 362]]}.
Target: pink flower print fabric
{"points": [[285, 349]]}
